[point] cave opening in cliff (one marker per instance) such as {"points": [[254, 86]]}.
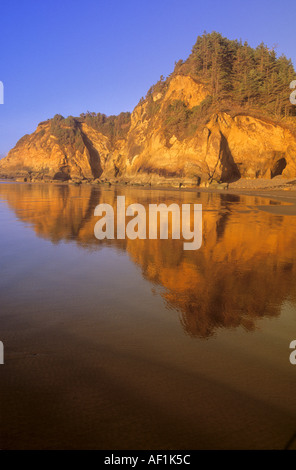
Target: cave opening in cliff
{"points": [[278, 167]]}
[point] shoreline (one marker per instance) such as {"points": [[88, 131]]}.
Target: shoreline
{"points": [[280, 189]]}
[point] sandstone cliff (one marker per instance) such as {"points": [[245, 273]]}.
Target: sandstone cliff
{"points": [[174, 136]]}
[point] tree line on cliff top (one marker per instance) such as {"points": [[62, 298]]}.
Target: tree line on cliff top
{"points": [[239, 79], [68, 130], [238, 73]]}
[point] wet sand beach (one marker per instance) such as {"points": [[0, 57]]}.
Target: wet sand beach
{"points": [[138, 344]]}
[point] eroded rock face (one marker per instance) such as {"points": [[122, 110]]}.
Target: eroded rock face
{"points": [[225, 148], [41, 156]]}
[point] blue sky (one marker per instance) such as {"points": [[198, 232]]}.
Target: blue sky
{"points": [[70, 56]]}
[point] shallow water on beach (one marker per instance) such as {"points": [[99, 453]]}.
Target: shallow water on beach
{"points": [[138, 344]]}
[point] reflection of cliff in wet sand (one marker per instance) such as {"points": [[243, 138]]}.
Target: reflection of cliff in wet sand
{"points": [[244, 270]]}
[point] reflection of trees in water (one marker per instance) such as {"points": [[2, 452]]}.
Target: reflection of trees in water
{"points": [[211, 294], [244, 270]]}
